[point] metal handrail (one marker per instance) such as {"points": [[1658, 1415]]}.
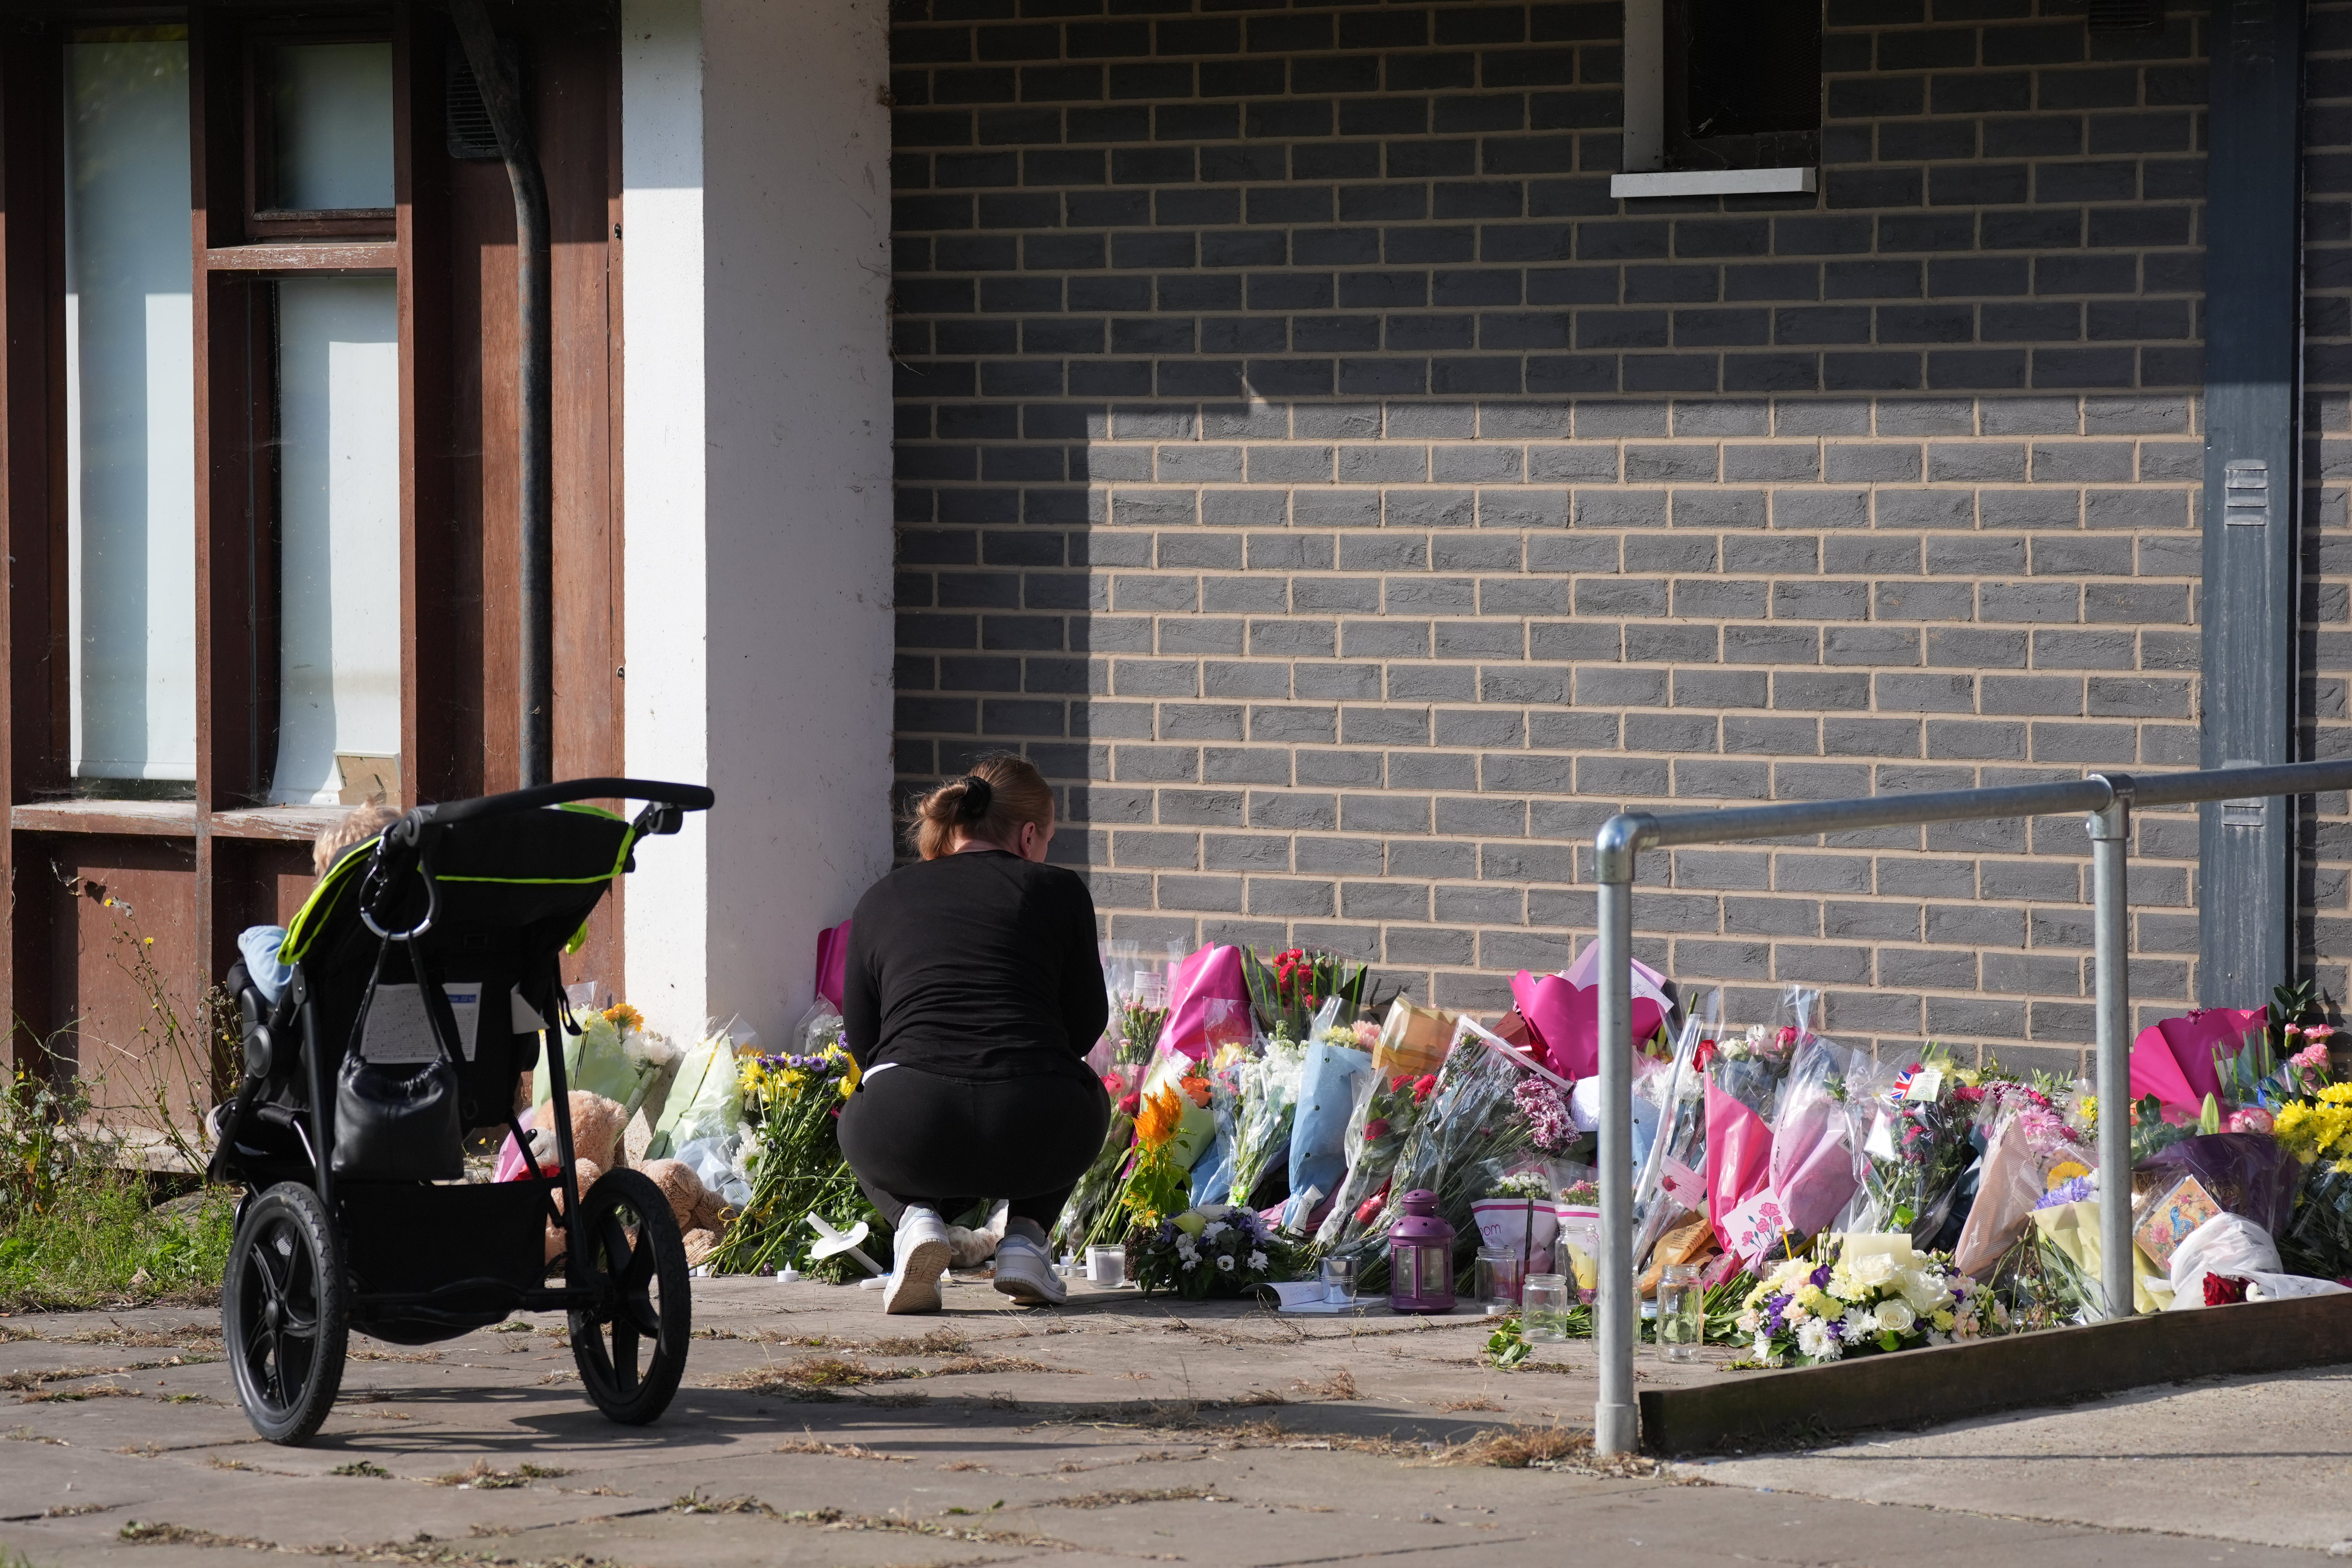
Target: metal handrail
{"points": [[2107, 799]]}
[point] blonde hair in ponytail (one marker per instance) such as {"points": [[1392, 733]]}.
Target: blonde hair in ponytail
{"points": [[1016, 793]]}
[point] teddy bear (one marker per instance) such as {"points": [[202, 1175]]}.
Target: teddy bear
{"points": [[596, 1130], [701, 1213], [586, 1171]]}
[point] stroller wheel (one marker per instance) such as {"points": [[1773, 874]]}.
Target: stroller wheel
{"points": [[631, 1345], [283, 1313]]}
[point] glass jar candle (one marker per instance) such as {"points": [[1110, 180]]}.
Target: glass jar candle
{"points": [[1496, 1277], [1544, 1302]]}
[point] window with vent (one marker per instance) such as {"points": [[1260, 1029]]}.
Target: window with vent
{"points": [[1743, 83]]}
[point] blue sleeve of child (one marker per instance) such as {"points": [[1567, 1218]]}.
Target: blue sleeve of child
{"points": [[258, 946]]}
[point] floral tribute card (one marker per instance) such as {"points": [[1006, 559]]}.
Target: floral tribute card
{"points": [[2171, 1218]]}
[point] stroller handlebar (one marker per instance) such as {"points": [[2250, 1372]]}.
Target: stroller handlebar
{"points": [[686, 797]]}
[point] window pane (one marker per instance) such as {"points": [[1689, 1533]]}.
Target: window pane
{"points": [[1754, 67], [339, 504], [331, 138], [130, 496]]}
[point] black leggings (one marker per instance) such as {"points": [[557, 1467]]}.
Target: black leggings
{"points": [[914, 1137]]}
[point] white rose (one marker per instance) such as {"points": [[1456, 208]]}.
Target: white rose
{"points": [[1896, 1316], [1923, 1289], [1817, 1340], [1873, 1271]]}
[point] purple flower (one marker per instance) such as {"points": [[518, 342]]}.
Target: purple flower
{"points": [[1820, 1278]]}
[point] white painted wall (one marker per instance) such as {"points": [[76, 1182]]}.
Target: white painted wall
{"points": [[757, 423]]}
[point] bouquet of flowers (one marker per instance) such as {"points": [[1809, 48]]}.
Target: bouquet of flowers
{"points": [[1338, 1069], [794, 1157], [2318, 1133], [1470, 1122], [1678, 1091], [1921, 1145], [1384, 1120], [1286, 994], [2032, 1148], [1093, 1204], [1223, 1249], [1845, 1301], [1137, 1021], [1254, 1097]]}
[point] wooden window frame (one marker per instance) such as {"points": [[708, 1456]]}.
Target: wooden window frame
{"points": [[263, 36]]}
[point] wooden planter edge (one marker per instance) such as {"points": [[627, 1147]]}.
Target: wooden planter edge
{"points": [[1950, 1382]]}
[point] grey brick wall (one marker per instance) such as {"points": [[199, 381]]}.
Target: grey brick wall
{"points": [[1349, 504]]}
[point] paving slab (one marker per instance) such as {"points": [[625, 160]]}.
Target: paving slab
{"points": [[812, 1429]]}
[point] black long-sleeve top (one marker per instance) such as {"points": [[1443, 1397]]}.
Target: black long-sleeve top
{"points": [[977, 966]]}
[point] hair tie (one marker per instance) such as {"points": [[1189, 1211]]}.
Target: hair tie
{"points": [[978, 796]]}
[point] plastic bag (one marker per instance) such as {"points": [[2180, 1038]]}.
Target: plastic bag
{"points": [[719, 1163], [2233, 1246]]}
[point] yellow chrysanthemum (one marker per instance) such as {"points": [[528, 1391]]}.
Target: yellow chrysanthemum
{"points": [[621, 1015]]}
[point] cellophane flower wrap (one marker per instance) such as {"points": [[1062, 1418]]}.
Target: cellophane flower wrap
{"points": [[2318, 1133], [1254, 1096], [1384, 1119], [1819, 1124], [1471, 1125], [1823, 1307], [1338, 1069], [2030, 1146], [794, 1154], [1679, 1090], [1921, 1144], [1221, 1250]]}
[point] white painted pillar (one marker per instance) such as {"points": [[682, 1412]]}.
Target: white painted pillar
{"points": [[757, 474]]}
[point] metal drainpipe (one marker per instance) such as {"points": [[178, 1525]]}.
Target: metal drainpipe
{"points": [[535, 376]]}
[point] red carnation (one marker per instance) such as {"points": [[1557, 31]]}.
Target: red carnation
{"points": [[1421, 1087], [1130, 1102], [2224, 1290]]}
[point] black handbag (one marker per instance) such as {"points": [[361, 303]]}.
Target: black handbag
{"points": [[398, 1123]]}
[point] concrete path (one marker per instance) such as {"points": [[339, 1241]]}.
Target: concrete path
{"points": [[814, 1430]]}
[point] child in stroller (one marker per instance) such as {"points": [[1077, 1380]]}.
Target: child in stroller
{"points": [[419, 976]]}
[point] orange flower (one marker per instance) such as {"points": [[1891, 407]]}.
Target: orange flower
{"points": [[1155, 1122], [1198, 1089]]}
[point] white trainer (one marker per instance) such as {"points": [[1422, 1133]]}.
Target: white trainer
{"points": [[1025, 1273], [920, 1253]]}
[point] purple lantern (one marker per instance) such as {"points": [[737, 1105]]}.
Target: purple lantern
{"points": [[1420, 1258]]}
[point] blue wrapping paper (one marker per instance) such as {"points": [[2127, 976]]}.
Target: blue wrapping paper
{"points": [[1329, 1089]]}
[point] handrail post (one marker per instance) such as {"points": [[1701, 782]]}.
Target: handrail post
{"points": [[2110, 832], [1615, 1424]]}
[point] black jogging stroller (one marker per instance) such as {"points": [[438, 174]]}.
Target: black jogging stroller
{"points": [[424, 971]]}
